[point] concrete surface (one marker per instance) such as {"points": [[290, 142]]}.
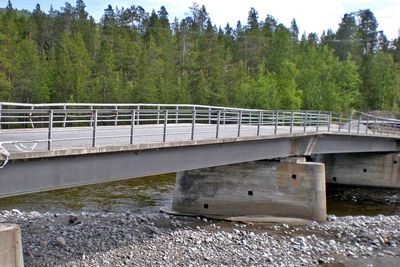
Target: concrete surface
{"points": [[28, 172], [10, 246], [265, 188], [366, 169]]}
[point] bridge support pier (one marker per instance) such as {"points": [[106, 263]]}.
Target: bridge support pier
{"points": [[291, 188], [365, 169], [10, 246]]}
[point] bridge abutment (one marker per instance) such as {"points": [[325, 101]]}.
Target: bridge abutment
{"points": [[365, 169], [10, 246], [291, 188]]}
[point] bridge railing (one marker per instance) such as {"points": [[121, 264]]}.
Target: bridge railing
{"points": [[166, 122]]}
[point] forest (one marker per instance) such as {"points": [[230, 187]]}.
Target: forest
{"points": [[136, 56]]}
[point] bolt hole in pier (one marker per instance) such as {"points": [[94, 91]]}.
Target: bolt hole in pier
{"points": [[334, 179], [394, 161], [365, 170], [294, 176], [250, 193], [205, 206]]}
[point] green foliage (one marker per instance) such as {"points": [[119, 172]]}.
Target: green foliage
{"points": [[134, 56], [29, 75], [381, 82]]}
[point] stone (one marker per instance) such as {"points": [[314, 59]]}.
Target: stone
{"points": [[34, 214], [16, 211], [61, 240]]}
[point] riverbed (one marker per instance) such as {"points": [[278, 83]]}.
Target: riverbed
{"points": [[119, 224]]}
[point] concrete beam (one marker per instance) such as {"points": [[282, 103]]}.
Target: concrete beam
{"points": [[47, 170]]}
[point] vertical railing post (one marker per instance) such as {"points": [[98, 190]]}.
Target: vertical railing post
{"points": [[94, 127], [177, 114], [165, 125], [50, 133], [305, 121], [30, 118], [329, 121], [366, 125], [116, 116], [259, 122], [193, 123], [209, 115], [218, 123], [340, 120], [133, 115], [224, 116], [381, 126], [350, 120], [359, 122], [276, 122], [239, 122], [318, 119], [1, 113], [291, 121], [65, 117], [138, 115], [376, 126]]}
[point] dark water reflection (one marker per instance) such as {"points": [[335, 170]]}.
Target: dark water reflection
{"points": [[139, 194], [355, 200], [151, 193]]}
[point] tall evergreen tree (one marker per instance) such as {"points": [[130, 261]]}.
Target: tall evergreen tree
{"points": [[368, 31], [30, 83]]}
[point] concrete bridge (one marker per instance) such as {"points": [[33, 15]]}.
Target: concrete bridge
{"points": [[229, 161]]}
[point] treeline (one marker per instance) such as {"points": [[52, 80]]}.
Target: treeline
{"points": [[135, 56]]}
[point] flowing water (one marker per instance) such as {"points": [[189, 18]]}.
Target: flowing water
{"points": [[150, 193], [138, 194]]}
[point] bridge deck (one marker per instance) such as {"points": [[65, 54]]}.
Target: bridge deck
{"points": [[49, 148], [78, 137]]}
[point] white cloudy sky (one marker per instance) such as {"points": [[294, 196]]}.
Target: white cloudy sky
{"points": [[311, 15]]}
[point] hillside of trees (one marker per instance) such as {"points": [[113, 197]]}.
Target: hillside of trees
{"points": [[133, 55]]}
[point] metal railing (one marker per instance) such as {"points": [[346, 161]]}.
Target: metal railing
{"points": [[76, 124]]}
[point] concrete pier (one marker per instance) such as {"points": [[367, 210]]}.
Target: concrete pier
{"points": [[366, 169], [291, 188], [10, 246]]}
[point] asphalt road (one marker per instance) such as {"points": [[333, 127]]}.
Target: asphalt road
{"points": [[71, 137]]}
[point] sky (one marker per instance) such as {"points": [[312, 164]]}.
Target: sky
{"points": [[311, 15]]}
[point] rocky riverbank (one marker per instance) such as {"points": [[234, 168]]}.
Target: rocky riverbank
{"points": [[153, 239]]}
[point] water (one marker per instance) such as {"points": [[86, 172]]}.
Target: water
{"points": [[356, 200], [148, 194], [139, 194]]}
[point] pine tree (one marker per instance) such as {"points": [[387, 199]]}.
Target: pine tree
{"points": [[8, 39], [30, 84], [368, 31]]}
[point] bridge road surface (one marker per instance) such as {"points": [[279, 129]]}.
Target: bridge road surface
{"points": [[25, 140]]}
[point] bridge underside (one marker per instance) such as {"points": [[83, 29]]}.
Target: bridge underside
{"points": [[47, 170]]}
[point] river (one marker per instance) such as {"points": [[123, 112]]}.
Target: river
{"points": [[148, 194]]}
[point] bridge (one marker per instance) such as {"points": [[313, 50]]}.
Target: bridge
{"points": [[219, 153]]}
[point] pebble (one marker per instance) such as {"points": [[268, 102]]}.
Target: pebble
{"points": [[129, 239], [61, 240]]}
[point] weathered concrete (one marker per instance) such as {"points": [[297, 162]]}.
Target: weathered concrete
{"points": [[10, 246], [29, 172], [366, 169], [284, 189]]}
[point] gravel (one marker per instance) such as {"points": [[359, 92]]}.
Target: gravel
{"points": [[157, 239]]}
